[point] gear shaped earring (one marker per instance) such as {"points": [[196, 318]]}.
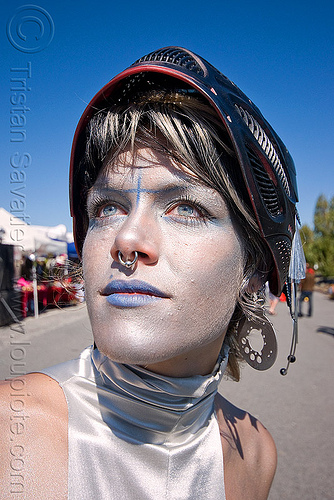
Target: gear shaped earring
{"points": [[257, 342]]}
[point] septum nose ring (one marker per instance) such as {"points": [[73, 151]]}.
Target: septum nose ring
{"points": [[127, 263]]}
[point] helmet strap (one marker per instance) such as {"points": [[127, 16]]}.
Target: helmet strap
{"points": [[296, 273]]}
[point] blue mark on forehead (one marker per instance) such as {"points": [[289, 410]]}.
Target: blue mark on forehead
{"points": [[139, 189]]}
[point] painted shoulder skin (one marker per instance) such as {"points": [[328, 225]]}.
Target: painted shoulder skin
{"points": [[33, 437], [250, 456], [33, 453]]}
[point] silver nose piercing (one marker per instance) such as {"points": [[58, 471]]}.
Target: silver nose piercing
{"points": [[127, 263]]}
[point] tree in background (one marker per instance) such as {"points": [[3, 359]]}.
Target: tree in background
{"points": [[319, 244], [307, 237]]}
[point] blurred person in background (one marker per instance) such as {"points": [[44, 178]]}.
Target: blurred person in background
{"points": [[306, 291]]}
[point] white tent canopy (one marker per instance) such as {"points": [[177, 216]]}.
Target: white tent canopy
{"points": [[41, 240]]}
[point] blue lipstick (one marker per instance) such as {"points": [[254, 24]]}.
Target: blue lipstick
{"points": [[132, 293]]}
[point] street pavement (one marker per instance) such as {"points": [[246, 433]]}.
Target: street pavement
{"points": [[297, 409]]}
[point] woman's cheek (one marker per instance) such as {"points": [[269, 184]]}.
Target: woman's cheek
{"points": [[92, 261]]}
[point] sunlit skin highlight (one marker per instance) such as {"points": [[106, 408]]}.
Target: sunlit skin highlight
{"points": [[188, 249]]}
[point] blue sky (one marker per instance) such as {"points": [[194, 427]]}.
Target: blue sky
{"points": [[280, 53]]}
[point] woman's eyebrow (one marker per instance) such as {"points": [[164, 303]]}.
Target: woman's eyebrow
{"points": [[165, 190]]}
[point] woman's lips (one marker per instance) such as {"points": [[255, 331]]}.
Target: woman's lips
{"points": [[132, 293]]}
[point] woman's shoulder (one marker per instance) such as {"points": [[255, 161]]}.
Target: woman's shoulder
{"points": [[249, 450], [33, 436], [36, 392]]}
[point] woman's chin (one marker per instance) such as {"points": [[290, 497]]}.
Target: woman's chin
{"points": [[129, 355]]}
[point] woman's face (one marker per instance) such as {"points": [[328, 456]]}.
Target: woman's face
{"points": [[171, 310]]}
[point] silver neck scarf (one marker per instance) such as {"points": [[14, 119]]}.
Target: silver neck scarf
{"points": [[137, 435]]}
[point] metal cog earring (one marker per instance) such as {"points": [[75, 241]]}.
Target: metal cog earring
{"points": [[252, 332]]}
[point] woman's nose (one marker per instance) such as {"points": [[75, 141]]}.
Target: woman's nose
{"points": [[137, 234]]}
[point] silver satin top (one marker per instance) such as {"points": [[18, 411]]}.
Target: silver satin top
{"points": [[137, 435]]}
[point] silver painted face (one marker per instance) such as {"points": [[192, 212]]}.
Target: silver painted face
{"points": [[174, 304]]}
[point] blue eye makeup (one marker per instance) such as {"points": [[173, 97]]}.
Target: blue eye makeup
{"points": [[102, 211], [103, 206]]}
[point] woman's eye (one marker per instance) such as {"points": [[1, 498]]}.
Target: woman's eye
{"points": [[186, 211], [110, 210]]}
